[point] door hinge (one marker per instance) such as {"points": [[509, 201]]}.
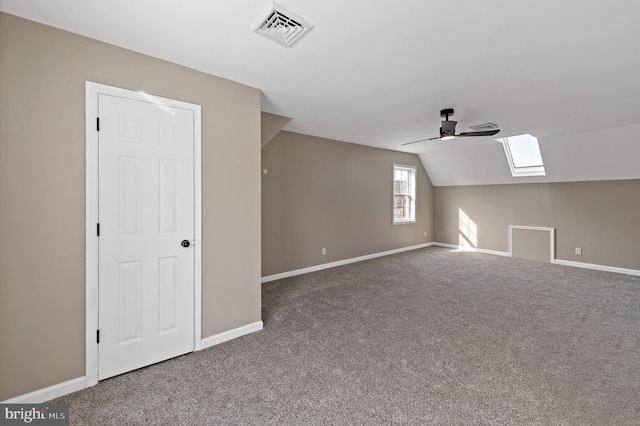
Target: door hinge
{"points": [[98, 229], [98, 124], [98, 336]]}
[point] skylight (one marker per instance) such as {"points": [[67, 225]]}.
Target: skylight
{"points": [[523, 155]]}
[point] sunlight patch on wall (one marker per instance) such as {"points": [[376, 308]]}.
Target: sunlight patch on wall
{"points": [[467, 230]]}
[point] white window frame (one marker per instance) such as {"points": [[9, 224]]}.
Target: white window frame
{"points": [[413, 170], [521, 171]]}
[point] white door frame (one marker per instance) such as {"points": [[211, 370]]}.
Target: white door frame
{"points": [[92, 90]]}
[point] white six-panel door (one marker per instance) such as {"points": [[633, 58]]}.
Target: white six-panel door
{"points": [[146, 217]]}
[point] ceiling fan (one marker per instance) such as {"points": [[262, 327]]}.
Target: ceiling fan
{"points": [[448, 129]]}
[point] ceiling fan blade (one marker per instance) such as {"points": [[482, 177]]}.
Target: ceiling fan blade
{"points": [[421, 140], [484, 133]]}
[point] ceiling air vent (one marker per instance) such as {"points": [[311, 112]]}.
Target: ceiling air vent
{"points": [[281, 26], [485, 126]]}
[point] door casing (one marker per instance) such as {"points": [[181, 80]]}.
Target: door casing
{"points": [[92, 90]]}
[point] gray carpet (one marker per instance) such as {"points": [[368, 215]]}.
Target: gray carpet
{"points": [[423, 337]]}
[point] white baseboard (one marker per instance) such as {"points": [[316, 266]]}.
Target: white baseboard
{"points": [[635, 272], [48, 393], [605, 268], [472, 249], [216, 339], [65, 388], [593, 266], [282, 275]]}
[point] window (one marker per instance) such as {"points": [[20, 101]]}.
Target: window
{"points": [[523, 155], [404, 194]]}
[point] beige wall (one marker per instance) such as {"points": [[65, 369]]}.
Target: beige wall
{"points": [[599, 217], [531, 244], [271, 124], [42, 194], [324, 193]]}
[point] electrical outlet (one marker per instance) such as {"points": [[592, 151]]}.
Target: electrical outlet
{"points": [[324, 251], [578, 250], [425, 234]]}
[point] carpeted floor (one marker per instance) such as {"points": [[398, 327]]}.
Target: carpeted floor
{"points": [[424, 337]]}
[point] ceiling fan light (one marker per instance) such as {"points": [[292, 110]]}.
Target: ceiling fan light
{"points": [[447, 137]]}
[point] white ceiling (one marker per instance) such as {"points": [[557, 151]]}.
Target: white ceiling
{"points": [[377, 73]]}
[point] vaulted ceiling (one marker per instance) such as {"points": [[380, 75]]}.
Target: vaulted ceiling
{"points": [[377, 73]]}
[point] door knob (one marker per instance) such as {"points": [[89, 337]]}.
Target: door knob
{"points": [[185, 243]]}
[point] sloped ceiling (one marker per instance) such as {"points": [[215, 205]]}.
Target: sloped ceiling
{"points": [[604, 154], [377, 73]]}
